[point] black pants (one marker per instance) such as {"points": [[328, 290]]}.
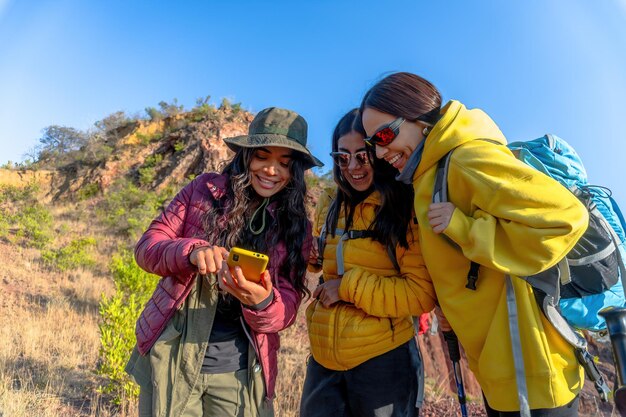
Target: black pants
{"points": [[568, 410], [384, 386]]}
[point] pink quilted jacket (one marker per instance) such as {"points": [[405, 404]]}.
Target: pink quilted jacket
{"points": [[164, 250]]}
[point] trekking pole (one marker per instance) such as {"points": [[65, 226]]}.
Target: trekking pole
{"points": [[455, 357]]}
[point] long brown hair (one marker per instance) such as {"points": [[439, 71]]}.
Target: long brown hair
{"points": [[226, 223], [407, 95]]}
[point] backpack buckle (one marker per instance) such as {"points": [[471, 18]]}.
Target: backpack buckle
{"points": [[472, 276], [593, 373]]}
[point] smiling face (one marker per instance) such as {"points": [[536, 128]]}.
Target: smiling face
{"points": [[400, 149], [359, 176], [269, 170]]}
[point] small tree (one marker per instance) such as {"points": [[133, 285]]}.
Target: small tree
{"points": [[154, 114], [171, 109], [57, 142], [202, 101], [112, 122]]}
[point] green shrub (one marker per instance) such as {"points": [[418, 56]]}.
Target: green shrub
{"points": [[13, 194], [146, 175], [203, 111], [22, 219], [5, 225], [75, 254], [119, 313], [128, 210], [153, 160], [147, 172], [179, 146], [145, 139], [88, 191], [154, 114], [34, 226]]}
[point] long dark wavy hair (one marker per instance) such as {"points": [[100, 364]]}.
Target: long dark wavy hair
{"points": [[392, 217], [226, 223]]}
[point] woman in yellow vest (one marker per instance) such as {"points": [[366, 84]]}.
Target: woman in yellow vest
{"points": [[364, 355], [504, 216]]}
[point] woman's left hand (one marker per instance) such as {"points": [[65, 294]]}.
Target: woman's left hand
{"points": [[328, 292], [248, 292], [439, 216]]}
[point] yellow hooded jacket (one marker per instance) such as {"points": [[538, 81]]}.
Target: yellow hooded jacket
{"points": [[510, 219], [374, 316]]}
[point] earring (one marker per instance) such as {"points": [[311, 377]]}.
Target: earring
{"points": [[425, 131]]}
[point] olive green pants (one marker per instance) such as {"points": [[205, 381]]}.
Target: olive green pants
{"points": [[214, 395]]}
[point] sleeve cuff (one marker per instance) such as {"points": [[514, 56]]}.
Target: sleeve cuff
{"points": [[458, 228], [262, 304]]}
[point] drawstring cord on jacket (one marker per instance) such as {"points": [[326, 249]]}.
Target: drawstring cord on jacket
{"points": [[263, 214]]}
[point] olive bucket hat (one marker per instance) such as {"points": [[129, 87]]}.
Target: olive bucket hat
{"points": [[276, 127]]}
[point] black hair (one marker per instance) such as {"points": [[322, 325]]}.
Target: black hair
{"points": [[392, 217]]}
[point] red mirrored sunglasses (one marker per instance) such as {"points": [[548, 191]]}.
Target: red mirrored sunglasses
{"points": [[385, 135], [342, 159]]}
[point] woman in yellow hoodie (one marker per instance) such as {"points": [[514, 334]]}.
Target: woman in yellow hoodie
{"points": [[504, 216], [364, 356]]}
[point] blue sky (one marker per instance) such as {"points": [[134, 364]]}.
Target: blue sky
{"points": [[535, 66]]}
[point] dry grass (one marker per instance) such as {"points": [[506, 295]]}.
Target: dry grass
{"points": [[49, 331], [292, 367]]}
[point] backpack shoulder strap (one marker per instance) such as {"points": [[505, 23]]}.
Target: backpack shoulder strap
{"points": [[440, 191], [617, 211], [440, 195], [351, 234]]}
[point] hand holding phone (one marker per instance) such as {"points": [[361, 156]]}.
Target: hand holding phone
{"points": [[252, 283], [252, 264]]}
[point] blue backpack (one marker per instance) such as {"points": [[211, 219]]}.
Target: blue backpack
{"points": [[588, 279], [599, 278]]}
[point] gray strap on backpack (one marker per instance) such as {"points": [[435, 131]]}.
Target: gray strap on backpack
{"points": [[339, 251], [516, 344], [420, 367], [620, 261]]}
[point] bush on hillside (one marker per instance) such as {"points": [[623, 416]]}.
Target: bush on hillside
{"points": [[74, 255], [165, 110], [23, 220], [147, 172], [119, 313], [128, 209]]}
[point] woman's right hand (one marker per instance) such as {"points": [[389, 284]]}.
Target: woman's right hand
{"points": [[208, 259]]}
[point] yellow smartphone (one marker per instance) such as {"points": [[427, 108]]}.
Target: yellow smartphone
{"points": [[252, 264]]}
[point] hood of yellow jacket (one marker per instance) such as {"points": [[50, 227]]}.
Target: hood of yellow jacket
{"points": [[456, 126]]}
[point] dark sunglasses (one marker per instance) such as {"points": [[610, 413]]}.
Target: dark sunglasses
{"points": [[385, 135], [342, 159]]}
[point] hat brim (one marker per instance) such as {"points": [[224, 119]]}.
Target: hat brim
{"points": [[267, 139]]}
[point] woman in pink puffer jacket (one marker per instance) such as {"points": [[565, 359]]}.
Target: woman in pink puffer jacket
{"points": [[207, 340]]}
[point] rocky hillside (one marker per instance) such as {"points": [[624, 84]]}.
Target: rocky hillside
{"points": [[153, 154]]}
